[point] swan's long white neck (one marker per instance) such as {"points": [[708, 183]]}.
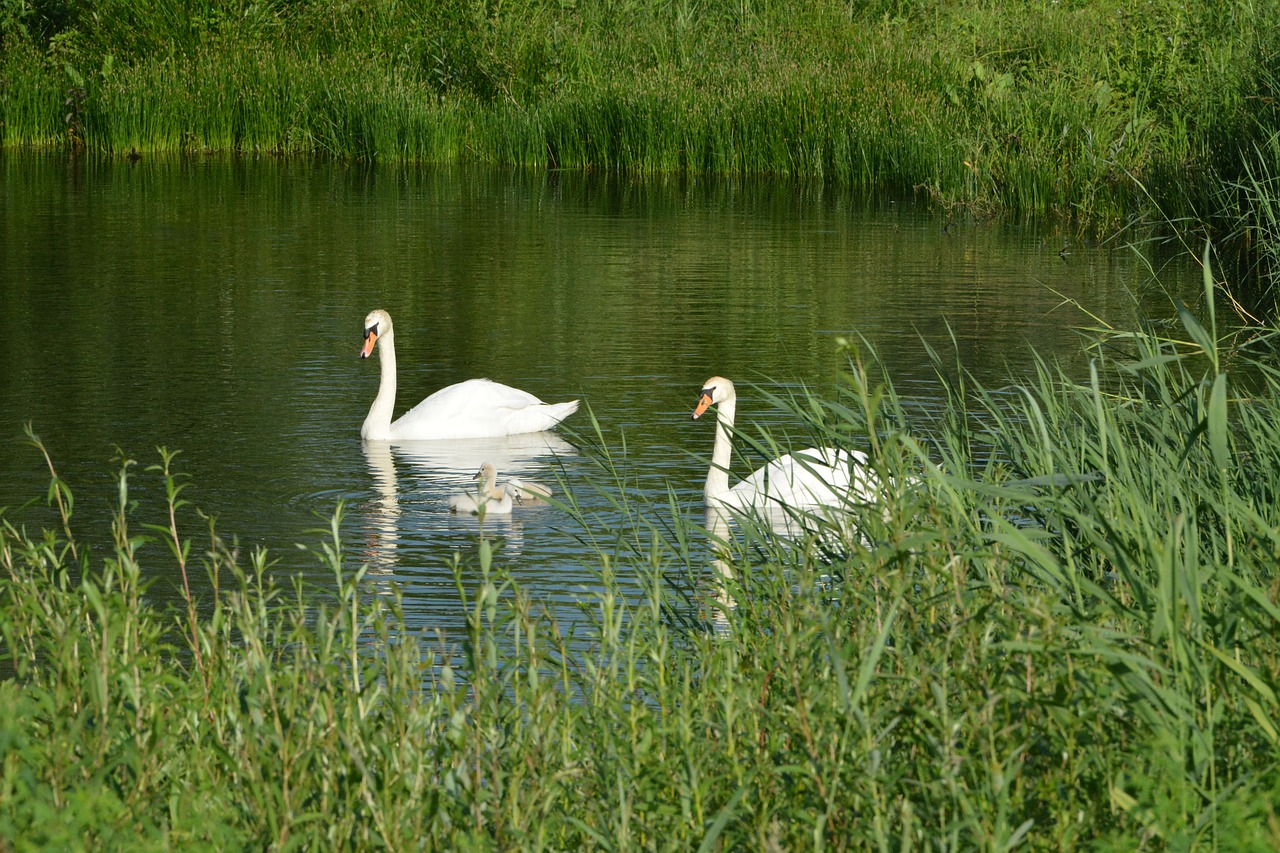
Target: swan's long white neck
{"points": [[722, 452], [377, 426]]}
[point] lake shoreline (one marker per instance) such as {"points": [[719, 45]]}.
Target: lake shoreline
{"points": [[1089, 113]]}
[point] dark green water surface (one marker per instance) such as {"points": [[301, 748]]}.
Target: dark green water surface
{"points": [[216, 308]]}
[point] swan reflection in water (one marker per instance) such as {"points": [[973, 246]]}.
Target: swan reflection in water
{"points": [[382, 521], [413, 479], [722, 603], [784, 527], [826, 532]]}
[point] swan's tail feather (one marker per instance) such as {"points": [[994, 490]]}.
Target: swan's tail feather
{"points": [[542, 416], [560, 411], [462, 503]]}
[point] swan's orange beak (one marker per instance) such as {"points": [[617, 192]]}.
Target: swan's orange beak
{"points": [[370, 338], [704, 403]]}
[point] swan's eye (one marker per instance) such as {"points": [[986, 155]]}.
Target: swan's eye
{"points": [[708, 392], [372, 330]]}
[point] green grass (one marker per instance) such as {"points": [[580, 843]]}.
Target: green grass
{"points": [[1058, 627], [1025, 108], [1249, 212]]}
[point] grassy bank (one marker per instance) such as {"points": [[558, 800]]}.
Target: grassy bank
{"points": [[1059, 628], [1029, 108]]}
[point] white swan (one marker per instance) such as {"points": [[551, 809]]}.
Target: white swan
{"points": [[476, 408], [488, 496], [815, 477], [528, 492]]}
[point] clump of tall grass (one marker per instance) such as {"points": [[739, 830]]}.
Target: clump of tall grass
{"points": [[1249, 210], [1057, 626]]}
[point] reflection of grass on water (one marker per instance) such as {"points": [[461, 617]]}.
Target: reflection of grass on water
{"points": [[1074, 640], [1031, 107]]}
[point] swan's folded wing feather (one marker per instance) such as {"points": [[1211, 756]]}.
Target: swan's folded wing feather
{"points": [[479, 408], [808, 478], [539, 417]]}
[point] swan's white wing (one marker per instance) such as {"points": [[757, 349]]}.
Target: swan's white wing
{"points": [[470, 502], [478, 408], [532, 487], [540, 416], [806, 478], [463, 502], [528, 492]]}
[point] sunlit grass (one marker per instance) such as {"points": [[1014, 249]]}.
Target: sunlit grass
{"points": [[1027, 108], [1057, 627]]}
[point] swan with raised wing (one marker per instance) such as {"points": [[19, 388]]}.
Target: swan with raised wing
{"points": [[488, 497], [814, 477], [476, 408]]}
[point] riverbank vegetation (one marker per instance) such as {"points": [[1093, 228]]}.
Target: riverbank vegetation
{"points": [[1108, 115], [1058, 625], [1081, 109]]}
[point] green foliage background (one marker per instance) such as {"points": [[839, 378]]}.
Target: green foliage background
{"points": [[1069, 107]]}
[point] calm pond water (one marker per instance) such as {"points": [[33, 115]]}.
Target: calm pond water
{"points": [[216, 308]]}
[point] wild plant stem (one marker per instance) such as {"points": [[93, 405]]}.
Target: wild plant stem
{"points": [[56, 486]]}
